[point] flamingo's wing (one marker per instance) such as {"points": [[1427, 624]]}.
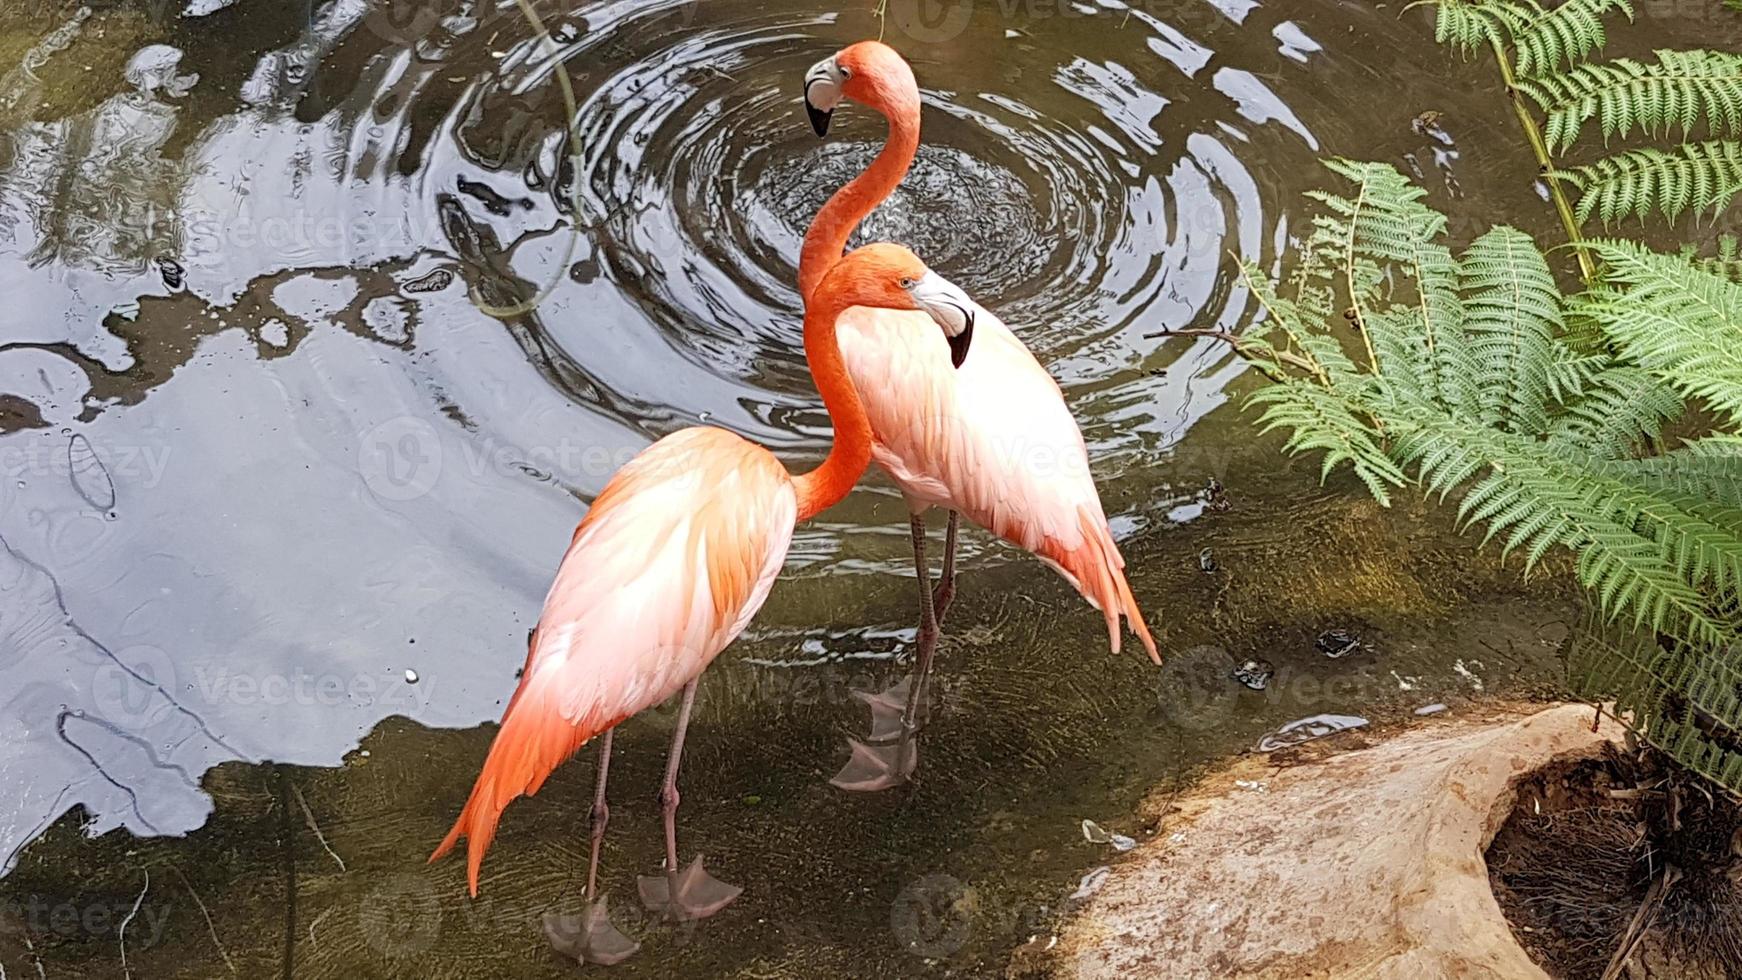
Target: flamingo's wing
{"points": [[994, 440], [673, 559]]}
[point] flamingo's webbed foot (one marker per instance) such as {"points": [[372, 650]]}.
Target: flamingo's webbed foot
{"points": [[686, 895], [873, 768], [589, 937], [887, 707]]}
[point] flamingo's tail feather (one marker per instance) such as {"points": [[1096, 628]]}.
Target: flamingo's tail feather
{"points": [[534, 740], [1097, 570]]}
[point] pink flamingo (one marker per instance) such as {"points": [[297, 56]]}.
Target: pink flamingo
{"points": [[675, 556], [994, 440]]}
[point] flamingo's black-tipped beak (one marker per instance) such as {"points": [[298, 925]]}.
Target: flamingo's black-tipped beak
{"points": [[822, 93], [819, 117], [950, 308], [959, 343]]}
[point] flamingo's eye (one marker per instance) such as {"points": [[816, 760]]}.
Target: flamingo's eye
{"points": [[846, 72], [907, 282]]}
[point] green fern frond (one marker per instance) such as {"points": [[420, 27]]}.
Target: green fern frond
{"points": [[1696, 177], [1513, 313], [1686, 700], [1384, 226], [1572, 371], [1677, 321], [1697, 470], [1323, 420], [1541, 498], [1621, 409], [1678, 94], [1543, 417], [1542, 36], [1564, 34], [1471, 25]]}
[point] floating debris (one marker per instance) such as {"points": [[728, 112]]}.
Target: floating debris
{"points": [[1094, 833], [1091, 883], [1308, 729], [1207, 562], [1216, 496], [1255, 674], [171, 271], [1430, 709], [1405, 683], [435, 281], [1338, 643], [410, 676]]}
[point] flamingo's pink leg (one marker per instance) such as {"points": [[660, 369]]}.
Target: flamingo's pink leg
{"points": [[691, 893], [590, 937]]}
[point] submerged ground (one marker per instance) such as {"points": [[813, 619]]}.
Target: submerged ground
{"points": [[281, 496]]}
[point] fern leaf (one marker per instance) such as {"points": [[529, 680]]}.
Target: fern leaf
{"points": [[1563, 34], [1686, 700], [1621, 408], [1692, 471], [1513, 312], [1543, 498], [1677, 321], [1695, 177], [1471, 25], [1385, 225], [1678, 93], [1322, 420]]}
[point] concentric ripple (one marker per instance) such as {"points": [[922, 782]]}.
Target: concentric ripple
{"points": [[1088, 200]]}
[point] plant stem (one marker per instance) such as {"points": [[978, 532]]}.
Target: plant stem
{"points": [[1539, 146], [1240, 348]]}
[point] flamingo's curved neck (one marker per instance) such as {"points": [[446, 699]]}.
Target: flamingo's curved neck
{"points": [[827, 237], [824, 486]]}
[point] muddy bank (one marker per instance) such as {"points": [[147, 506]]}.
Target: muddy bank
{"points": [[1329, 861]]}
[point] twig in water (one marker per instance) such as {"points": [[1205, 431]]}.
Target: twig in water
{"points": [[1293, 360], [310, 817], [568, 89], [313, 943], [122, 936], [213, 929]]}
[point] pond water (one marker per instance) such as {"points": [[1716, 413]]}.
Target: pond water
{"points": [[316, 344]]}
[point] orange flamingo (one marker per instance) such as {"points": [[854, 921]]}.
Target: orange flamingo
{"points": [[675, 556], [994, 440]]}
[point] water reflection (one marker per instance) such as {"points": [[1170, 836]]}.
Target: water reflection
{"points": [[338, 418]]}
